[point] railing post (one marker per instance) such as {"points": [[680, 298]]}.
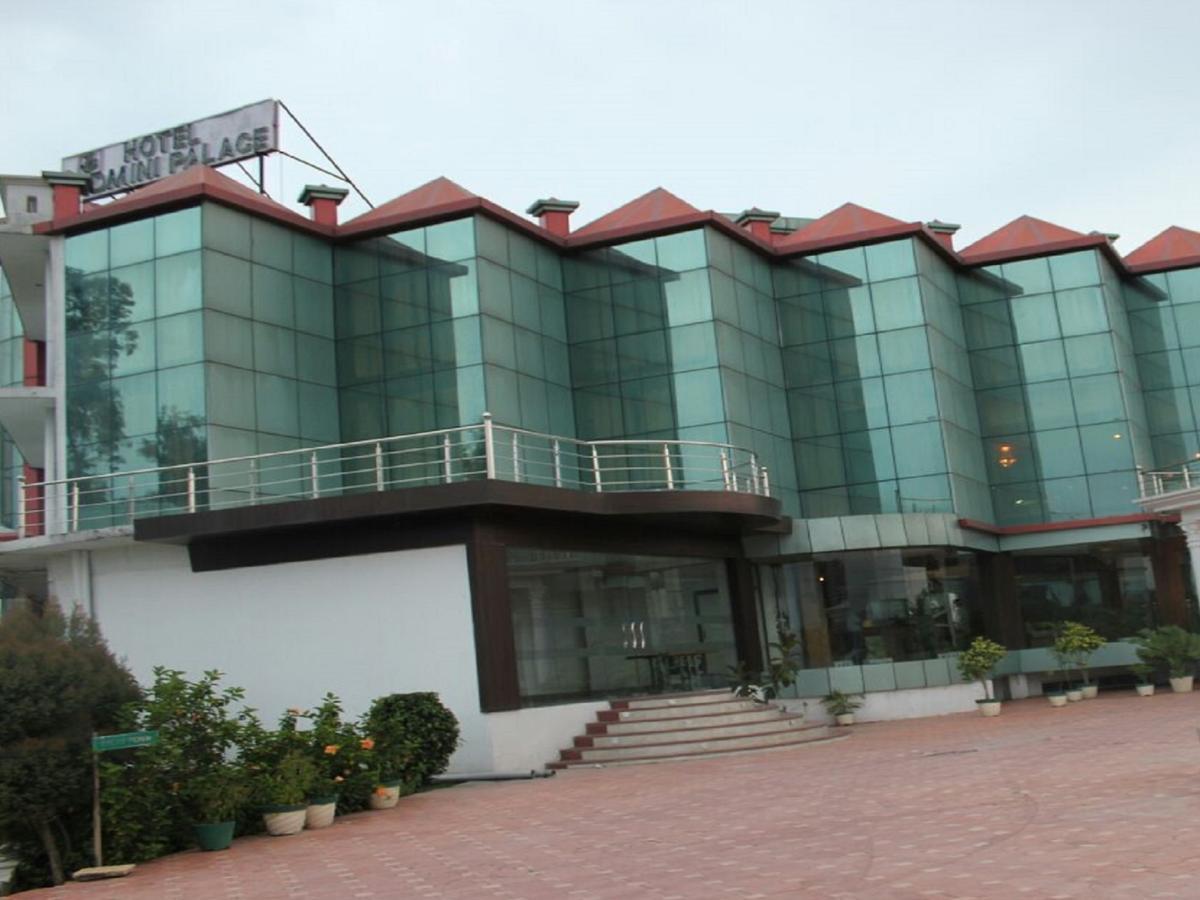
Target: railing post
{"points": [[557, 465], [1187, 477], [191, 489], [667, 465], [1141, 482], [489, 446], [766, 483], [596, 469], [132, 500], [253, 481], [447, 470], [725, 470], [314, 474], [21, 513], [378, 466], [754, 473], [75, 506], [516, 454]]}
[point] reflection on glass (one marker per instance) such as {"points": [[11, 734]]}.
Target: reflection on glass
{"points": [[602, 624]]}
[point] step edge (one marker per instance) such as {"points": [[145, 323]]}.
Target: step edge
{"points": [[594, 763], [731, 737]]}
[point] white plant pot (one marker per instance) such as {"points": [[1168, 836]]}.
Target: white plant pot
{"points": [[1145, 690], [320, 815], [1075, 695], [845, 719], [283, 821], [1182, 685], [1057, 699], [385, 796], [1090, 691], [989, 707]]}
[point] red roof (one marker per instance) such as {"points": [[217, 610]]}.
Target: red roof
{"points": [[1174, 248], [848, 220], [437, 193], [1025, 236], [198, 181], [654, 208]]}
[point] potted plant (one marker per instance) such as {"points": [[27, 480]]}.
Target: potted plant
{"points": [[841, 706], [976, 663], [285, 793], [1145, 687], [214, 799], [1173, 647], [1074, 645]]}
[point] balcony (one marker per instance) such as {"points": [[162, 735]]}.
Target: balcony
{"points": [[488, 452]]}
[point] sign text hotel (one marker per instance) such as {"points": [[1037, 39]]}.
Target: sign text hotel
{"points": [[235, 135]]}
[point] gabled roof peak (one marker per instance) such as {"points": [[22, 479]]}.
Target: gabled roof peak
{"points": [[438, 192], [1019, 237], [1172, 248], [657, 205], [846, 222]]}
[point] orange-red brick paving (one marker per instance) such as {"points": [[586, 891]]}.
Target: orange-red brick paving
{"points": [[1099, 799]]}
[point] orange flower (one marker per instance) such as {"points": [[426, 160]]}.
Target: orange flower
{"points": [[381, 791], [331, 749], [367, 744]]}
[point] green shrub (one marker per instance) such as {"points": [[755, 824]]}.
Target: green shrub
{"points": [[414, 735], [1074, 645], [837, 703], [978, 660], [1169, 646], [58, 683]]}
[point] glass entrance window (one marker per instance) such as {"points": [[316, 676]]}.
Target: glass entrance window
{"points": [[590, 625]]}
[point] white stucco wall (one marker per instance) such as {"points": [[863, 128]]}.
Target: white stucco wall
{"points": [[526, 739], [359, 626]]}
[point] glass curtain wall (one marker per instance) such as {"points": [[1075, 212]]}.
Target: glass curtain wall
{"points": [[590, 625], [863, 382], [1164, 318], [881, 606], [1057, 390]]}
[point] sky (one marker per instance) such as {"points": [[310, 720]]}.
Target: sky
{"points": [[1081, 112]]}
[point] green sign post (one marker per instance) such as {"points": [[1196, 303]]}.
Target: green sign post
{"points": [[104, 742], [101, 743]]}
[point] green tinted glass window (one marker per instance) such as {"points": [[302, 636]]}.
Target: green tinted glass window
{"points": [[1034, 318], [271, 292], [698, 397], [131, 292], [855, 357], [181, 338], [693, 347], [451, 241], [177, 232], [277, 404], [1072, 270], [910, 397], [848, 311], [226, 283], [1066, 498], [1106, 448], [177, 283], [862, 404], [271, 244], [891, 260], [850, 264], [903, 350], [1049, 405], [226, 230], [1090, 355], [1043, 361], [918, 450], [1002, 411], [897, 304], [995, 368], [868, 455], [1059, 453], [988, 325], [88, 252], [1082, 311], [1113, 494], [1028, 276], [1098, 399], [131, 243], [683, 251]]}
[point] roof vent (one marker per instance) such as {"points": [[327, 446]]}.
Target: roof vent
{"points": [[757, 222], [944, 232], [554, 214]]}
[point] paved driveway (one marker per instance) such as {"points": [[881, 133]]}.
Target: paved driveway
{"points": [[1096, 800]]}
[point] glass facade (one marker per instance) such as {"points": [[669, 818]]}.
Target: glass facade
{"points": [[870, 379], [1057, 389], [602, 624], [878, 383]]}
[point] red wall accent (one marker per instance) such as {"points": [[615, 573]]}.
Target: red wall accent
{"points": [[556, 222], [66, 200], [324, 210], [35, 512], [34, 367]]}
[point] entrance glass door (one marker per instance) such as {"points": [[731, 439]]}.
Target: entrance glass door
{"points": [[601, 624]]}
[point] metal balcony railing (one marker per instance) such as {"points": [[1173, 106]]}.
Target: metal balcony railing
{"points": [[1182, 477], [447, 456]]}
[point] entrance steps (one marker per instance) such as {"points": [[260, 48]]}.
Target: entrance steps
{"points": [[686, 726]]}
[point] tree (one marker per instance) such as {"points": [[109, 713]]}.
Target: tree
{"points": [[58, 683]]}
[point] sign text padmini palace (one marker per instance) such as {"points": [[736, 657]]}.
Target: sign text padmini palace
{"points": [[238, 134]]}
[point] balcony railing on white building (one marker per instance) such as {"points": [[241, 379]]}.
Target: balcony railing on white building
{"points": [[1155, 483], [447, 456]]}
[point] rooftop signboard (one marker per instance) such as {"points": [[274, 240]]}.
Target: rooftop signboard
{"points": [[231, 136]]}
